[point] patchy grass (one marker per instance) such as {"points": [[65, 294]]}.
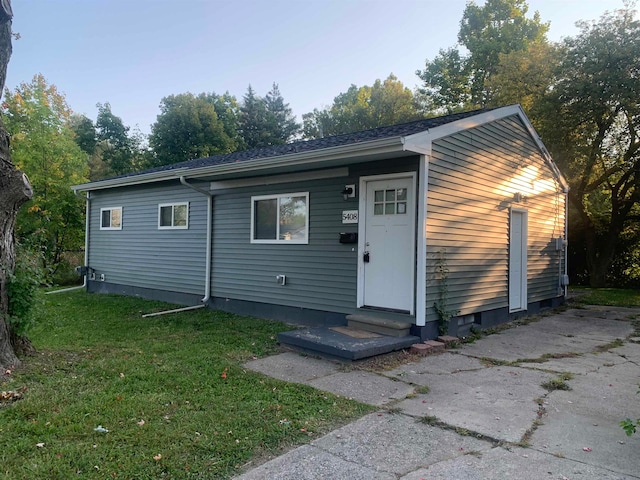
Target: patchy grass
{"points": [[423, 389], [615, 297], [558, 383], [170, 390], [618, 342]]}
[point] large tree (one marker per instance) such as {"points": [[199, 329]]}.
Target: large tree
{"points": [[454, 80], [591, 125], [189, 127], [254, 120], [43, 146], [114, 143], [282, 121], [360, 108], [15, 190]]}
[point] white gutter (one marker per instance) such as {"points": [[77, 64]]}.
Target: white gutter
{"points": [[86, 248], [207, 281]]}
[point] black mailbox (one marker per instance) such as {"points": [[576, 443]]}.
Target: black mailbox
{"points": [[350, 237]]}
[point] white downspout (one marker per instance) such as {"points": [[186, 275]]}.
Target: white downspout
{"points": [[207, 281], [566, 237], [86, 248]]}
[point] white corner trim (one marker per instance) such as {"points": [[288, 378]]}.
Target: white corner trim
{"points": [[421, 242]]}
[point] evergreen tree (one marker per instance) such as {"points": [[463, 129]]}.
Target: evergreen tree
{"points": [[284, 126]]}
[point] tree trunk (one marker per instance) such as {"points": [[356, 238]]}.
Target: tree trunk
{"points": [[14, 191]]}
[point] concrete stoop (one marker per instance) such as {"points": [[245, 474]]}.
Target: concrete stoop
{"points": [[379, 324], [326, 342]]}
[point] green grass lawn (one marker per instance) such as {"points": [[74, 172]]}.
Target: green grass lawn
{"points": [[616, 297], [171, 391]]}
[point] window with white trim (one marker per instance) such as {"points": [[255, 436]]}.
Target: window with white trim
{"points": [[111, 218], [173, 216], [280, 218]]}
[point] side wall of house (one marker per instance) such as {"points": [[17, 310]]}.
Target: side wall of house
{"points": [[142, 257], [473, 178]]}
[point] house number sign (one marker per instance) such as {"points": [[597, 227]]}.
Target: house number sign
{"points": [[350, 216]]}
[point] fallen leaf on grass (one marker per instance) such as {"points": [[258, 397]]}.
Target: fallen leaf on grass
{"points": [[40, 445], [10, 396], [141, 422], [157, 457]]}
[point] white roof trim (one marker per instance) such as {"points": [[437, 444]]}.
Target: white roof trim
{"points": [[422, 142]]}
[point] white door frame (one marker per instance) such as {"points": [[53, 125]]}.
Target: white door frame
{"points": [[362, 223], [520, 282]]}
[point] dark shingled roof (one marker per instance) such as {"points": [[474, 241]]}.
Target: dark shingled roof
{"points": [[399, 130]]}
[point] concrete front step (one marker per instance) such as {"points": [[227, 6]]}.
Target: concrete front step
{"points": [[379, 324], [328, 343]]}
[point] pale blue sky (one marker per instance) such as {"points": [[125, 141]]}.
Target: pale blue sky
{"points": [[132, 53]]}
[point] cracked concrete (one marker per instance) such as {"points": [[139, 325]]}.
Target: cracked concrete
{"points": [[477, 414]]}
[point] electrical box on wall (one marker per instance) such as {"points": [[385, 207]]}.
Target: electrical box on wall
{"points": [[560, 243]]}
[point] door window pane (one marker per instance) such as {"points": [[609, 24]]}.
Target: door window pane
{"points": [[390, 202]]}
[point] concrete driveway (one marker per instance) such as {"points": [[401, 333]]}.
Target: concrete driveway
{"points": [[536, 401]]}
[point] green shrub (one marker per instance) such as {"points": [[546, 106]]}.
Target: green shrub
{"points": [[23, 288]]}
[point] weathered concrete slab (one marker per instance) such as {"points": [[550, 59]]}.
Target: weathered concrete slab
{"points": [[581, 365], [629, 351], [498, 402], [568, 435], [395, 444], [609, 394], [588, 416], [550, 335], [515, 463], [444, 364], [366, 387], [293, 367], [311, 463]]}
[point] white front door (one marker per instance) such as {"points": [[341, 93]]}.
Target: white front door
{"points": [[387, 261], [518, 261]]}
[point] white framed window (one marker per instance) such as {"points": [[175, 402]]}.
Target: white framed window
{"points": [[111, 218], [173, 216], [282, 218]]}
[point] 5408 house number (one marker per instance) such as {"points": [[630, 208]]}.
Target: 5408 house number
{"points": [[350, 216]]}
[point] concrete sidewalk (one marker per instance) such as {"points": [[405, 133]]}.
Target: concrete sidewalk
{"points": [[486, 414]]}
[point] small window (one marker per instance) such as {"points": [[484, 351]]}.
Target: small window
{"points": [[173, 215], [280, 218], [111, 218]]}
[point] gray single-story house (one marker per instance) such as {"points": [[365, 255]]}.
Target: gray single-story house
{"points": [[465, 211]]}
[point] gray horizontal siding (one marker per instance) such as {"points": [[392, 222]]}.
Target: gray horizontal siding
{"points": [[141, 255], [473, 176], [321, 275]]}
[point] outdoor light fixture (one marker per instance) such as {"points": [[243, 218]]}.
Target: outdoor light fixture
{"points": [[349, 192], [518, 197]]}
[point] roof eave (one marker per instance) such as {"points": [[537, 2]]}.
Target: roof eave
{"points": [[308, 159]]}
